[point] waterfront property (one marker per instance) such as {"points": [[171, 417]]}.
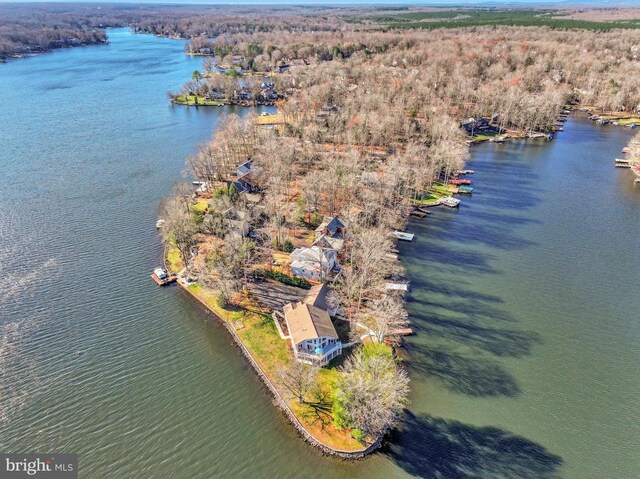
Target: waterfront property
{"points": [[315, 263], [246, 178], [331, 226], [313, 337]]}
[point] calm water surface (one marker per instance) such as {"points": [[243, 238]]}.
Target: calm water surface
{"points": [[526, 300]]}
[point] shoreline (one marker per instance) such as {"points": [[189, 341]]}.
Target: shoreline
{"points": [[279, 401], [267, 380]]}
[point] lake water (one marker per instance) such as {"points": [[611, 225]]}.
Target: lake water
{"points": [[525, 300]]}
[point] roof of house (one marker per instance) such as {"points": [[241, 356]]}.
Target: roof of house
{"points": [[306, 321], [331, 224], [315, 254], [325, 241], [244, 168], [317, 296], [306, 265]]}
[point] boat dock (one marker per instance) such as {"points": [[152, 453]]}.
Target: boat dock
{"points": [[458, 182], [622, 163], [396, 286], [401, 235], [449, 201], [401, 332], [163, 282]]}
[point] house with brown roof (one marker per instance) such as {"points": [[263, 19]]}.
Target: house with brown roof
{"points": [[313, 336]]}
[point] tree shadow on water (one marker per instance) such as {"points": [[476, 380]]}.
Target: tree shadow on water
{"points": [[436, 448], [498, 341], [462, 374]]}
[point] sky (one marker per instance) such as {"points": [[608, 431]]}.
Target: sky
{"points": [[604, 3]]}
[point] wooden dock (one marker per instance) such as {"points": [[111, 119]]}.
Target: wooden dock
{"points": [[622, 163], [401, 332], [163, 282], [396, 286], [401, 235]]}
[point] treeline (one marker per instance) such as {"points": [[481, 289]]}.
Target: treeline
{"points": [[517, 17], [27, 29], [522, 76]]}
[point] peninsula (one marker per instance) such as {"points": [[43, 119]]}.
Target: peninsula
{"points": [[288, 232]]}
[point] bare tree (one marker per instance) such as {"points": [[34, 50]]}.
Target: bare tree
{"points": [[208, 64], [298, 378], [383, 317], [183, 193], [179, 228], [372, 391]]}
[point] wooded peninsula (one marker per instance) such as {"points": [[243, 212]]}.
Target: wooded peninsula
{"points": [[290, 236]]}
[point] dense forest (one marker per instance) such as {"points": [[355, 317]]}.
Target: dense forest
{"points": [[27, 28]]}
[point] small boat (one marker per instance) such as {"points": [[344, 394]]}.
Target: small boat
{"points": [[466, 190], [401, 235], [450, 202], [161, 277], [160, 224], [466, 172]]}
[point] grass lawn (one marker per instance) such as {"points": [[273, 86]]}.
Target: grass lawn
{"points": [[191, 100], [283, 259], [438, 190], [260, 336], [275, 119], [174, 260], [201, 205]]}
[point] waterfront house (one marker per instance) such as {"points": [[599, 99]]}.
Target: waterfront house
{"points": [[329, 242], [313, 263], [313, 336], [246, 177], [331, 226]]}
